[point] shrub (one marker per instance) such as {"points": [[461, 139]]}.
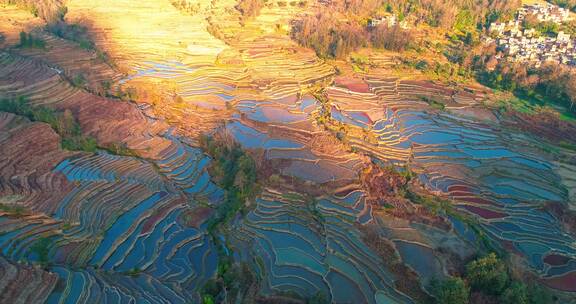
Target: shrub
{"points": [[119, 149], [539, 295], [78, 80], [13, 209], [79, 143], [41, 248], [49, 10], [318, 298], [328, 36]]}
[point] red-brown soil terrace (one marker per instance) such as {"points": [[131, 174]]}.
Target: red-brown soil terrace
{"points": [[29, 152]]}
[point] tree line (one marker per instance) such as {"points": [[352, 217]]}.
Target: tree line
{"points": [[332, 38], [50, 10], [340, 27], [62, 122]]}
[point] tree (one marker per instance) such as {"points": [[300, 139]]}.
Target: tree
{"points": [[570, 90], [539, 295], [452, 290], [487, 274], [250, 8], [391, 38], [516, 293], [23, 39]]}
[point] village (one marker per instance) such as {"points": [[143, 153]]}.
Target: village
{"points": [[522, 44]]}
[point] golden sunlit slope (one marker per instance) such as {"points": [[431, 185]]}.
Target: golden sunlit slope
{"points": [[188, 75], [278, 66], [148, 30], [166, 53]]}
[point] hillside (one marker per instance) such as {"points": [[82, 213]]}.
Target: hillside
{"points": [[272, 151]]}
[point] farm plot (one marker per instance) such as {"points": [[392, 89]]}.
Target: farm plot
{"points": [[84, 67]]}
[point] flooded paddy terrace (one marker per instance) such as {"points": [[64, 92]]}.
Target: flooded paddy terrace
{"points": [[499, 176]]}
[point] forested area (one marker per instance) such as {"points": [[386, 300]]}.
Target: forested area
{"points": [[555, 83], [342, 26], [488, 280]]}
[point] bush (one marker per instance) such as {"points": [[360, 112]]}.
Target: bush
{"points": [[328, 36], [42, 248], [13, 209], [539, 295], [78, 80], [488, 275], [318, 298], [452, 290], [120, 149], [79, 143]]}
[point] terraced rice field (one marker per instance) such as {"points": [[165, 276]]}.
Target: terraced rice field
{"points": [[116, 228], [500, 177], [121, 216], [309, 251], [286, 130]]}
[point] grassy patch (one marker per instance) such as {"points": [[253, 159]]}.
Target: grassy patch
{"points": [[41, 248], [119, 149], [15, 210], [433, 103], [133, 272], [567, 145], [534, 103]]}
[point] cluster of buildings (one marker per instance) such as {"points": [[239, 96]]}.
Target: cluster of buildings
{"points": [[544, 12], [389, 20], [525, 45]]}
